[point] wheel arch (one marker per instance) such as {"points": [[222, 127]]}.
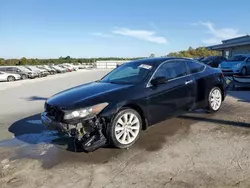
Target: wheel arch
{"points": [[222, 90], [11, 76], [138, 109]]}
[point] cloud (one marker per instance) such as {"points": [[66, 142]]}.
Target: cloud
{"points": [[102, 34], [140, 34], [217, 34]]}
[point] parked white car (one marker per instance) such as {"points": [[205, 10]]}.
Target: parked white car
{"points": [[9, 77]]}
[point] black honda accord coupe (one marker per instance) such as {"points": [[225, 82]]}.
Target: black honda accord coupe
{"points": [[135, 95]]}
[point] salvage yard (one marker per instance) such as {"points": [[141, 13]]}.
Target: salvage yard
{"points": [[194, 150]]}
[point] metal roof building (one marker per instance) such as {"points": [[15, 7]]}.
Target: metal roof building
{"points": [[230, 47], [110, 64]]}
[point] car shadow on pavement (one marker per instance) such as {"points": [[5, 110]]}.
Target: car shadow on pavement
{"points": [[35, 98], [242, 94], [30, 130], [217, 121]]}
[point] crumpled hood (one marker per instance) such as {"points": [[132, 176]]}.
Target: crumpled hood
{"points": [[81, 95]]}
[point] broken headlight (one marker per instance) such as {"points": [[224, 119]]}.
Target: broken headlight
{"points": [[85, 112]]}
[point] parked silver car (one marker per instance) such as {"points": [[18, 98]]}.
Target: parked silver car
{"points": [[9, 77], [22, 71]]}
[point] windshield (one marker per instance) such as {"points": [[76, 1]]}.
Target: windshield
{"points": [[237, 58], [23, 69], [57, 67], [33, 68], [65, 65], [129, 73], [41, 68]]}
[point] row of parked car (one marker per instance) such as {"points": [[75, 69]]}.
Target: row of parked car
{"points": [[236, 65], [12, 73]]}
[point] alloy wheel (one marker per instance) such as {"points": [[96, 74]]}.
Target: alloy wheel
{"points": [[127, 128], [11, 79], [215, 99]]}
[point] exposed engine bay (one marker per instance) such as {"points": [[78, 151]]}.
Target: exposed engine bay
{"points": [[89, 134], [87, 130]]}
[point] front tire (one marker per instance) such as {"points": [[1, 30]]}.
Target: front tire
{"points": [[214, 99], [11, 78], [125, 128]]}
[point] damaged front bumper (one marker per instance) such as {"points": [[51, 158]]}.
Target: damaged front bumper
{"points": [[52, 124], [88, 133]]}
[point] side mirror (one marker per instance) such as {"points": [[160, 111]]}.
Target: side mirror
{"points": [[158, 81]]}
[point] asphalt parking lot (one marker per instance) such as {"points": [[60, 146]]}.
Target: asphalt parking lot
{"points": [[194, 150]]}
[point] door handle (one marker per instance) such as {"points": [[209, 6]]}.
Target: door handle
{"points": [[188, 82]]}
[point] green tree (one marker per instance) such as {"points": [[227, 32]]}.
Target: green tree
{"points": [[192, 53], [23, 61]]}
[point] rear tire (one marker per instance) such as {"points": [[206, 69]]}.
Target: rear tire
{"points": [[125, 128], [214, 100], [11, 78]]}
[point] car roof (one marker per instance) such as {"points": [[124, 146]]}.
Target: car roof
{"points": [[155, 61]]}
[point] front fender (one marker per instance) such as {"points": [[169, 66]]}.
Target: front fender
{"points": [[111, 110]]}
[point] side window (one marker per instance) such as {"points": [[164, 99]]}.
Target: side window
{"points": [[16, 69], [2, 69], [195, 67], [9, 69], [171, 70]]}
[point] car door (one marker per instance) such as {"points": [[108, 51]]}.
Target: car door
{"points": [[222, 59], [248, 65], [172, 98], [2, 76]]}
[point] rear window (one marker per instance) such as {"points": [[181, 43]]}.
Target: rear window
{"points": [[195, 67]]}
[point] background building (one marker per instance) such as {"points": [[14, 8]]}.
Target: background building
{"points": [[111, 64], [230, 47]]}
